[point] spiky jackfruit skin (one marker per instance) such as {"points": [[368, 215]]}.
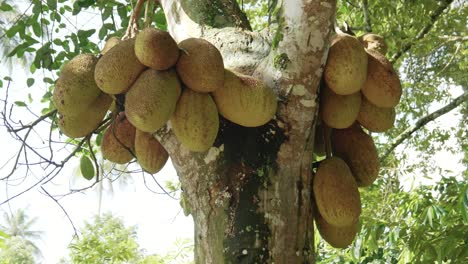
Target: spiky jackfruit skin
{"points": [[336, 193], [346, 68], [156, 49], [118, 68], [76, 89], [337, 237], [358, 150], [110, 43], [339, 111], [374, 118], [245, 100], [382, 86], [118, 141], [150, 154], [87, 121], [200, 65], [152, 99], [372, 41], [195, 121]]}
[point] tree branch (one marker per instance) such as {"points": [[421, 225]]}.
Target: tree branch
{"points": [[422, 122], [242, 50], [186, 19], [422, 33]]}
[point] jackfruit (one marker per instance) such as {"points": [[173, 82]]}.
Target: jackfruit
{"points": [[152, 99], [339, 111], [382, 87], [200, 65], [87, 121], [358, 150], [336, 193], [156, 49], [76, 89], [118, 141], [150, 154], [245, 100], [195, 121], [346, 68], [118, 68]]}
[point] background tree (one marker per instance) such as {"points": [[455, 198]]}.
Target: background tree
{"points": [[105, 240], [250, 196], [20, 225], [17, 250]]}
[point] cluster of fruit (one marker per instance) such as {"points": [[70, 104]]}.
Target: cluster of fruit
{"points": [[159, 81], [360, 90]]}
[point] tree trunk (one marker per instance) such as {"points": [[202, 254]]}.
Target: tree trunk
{"points": [[250, 194]]}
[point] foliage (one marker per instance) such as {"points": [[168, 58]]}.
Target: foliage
{"points": [[17, 251], [3, 237], [182, 254], [18, 225], [105, 240], [425, 225]]}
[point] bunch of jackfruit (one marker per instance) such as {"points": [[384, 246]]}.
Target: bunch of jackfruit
{"points": [[160, 81], [360, 91]]}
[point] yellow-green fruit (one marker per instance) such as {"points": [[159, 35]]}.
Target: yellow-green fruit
{"points": [[75, 89], [200, 65], [374, 42], [110, 43], [118, 69], [87, 121], [118, 141], [245, 100], [336, 193], [374, 118], [346, 67], [337, 237], [195, 121], [358, 150], [339, 111], [382, 87], [156, 49], [150, 154], [152, 99]]}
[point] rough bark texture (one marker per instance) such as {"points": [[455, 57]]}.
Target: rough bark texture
{"points": [[250, 194]]}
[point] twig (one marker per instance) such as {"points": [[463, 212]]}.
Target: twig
{"points": [[365, 11], [63, 209], [132, 28], [421, 122], [422, 33]]}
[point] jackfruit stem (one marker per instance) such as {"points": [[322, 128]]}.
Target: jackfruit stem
{"points": [[327, 139]]}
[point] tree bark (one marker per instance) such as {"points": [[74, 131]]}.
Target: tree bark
{"points": [[250, 194]]}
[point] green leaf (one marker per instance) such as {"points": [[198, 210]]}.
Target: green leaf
{"points": [[37, 29], [1, 84], [52, 4], [48, 80], [87, 168], [20, 103], [30, 82], [5, 7], [85, 34]]}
